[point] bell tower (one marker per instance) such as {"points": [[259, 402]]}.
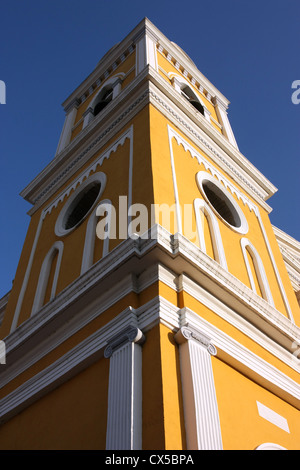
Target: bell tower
{"points": [[154, 303]]}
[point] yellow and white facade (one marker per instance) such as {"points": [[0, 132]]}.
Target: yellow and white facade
{"points": [[181, 329]]}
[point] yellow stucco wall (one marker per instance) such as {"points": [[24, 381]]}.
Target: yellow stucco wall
{"points": [[241, 425]]}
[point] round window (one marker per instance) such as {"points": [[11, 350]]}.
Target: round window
{"points": [[80, 204], [223, 204]]}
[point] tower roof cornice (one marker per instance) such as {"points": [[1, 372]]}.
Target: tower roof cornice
{"points": [[145, 28]]}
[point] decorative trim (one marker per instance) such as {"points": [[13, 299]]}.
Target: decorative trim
{"points": [[128, 134], [245, 360], [270, 446], [204, 175], [201, 205], [57, 247], [234, 318], [259, 270], [209, 167], [180, 141], [143, 318], [129, 335], [186, 333], [78, 187]]}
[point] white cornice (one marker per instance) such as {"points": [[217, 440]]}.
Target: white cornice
{"points": [[128, 104], [178, 256], [145, 27], [92, 349]]}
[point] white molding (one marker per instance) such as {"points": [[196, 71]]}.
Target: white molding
{"points": [[234, 318], [179, 83], [223, 117], [201, 205], [67, 128], [259, 270], [83, 182], [270, 446], [145, 317], [128, 134], [206, 137], [64, 368], [155, 97], [197, 265], [244, 360], [57, 247], [246, 201], [216, 178], [203, 134], [209, 167], [115, 83]]}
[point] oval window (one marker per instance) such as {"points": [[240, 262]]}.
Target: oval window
{"points": [[80, 204], [222, 202]]}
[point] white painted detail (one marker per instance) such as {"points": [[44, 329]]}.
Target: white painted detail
{"points": [[259, 270], [128, 134], [201, 206], [98, 177], [223, 116], [272, 417], [199, 397], [67, 130], [57, 248], [124, 415], [203, 176], [270, 446]]}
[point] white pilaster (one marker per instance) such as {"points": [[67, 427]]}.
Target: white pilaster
{"points": [[222, 114], [67, 128], [146, 53], [124, 416], [199, 397]]}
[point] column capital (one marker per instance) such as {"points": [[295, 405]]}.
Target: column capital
{"points": [[130, 334], [186, 333]]}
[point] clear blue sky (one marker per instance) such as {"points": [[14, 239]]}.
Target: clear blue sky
{"points": [[248, 49]]}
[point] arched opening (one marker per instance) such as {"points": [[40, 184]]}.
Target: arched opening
{"points": [[192, 98], [53, 256], [258, 277], [103, 100], [204, 213]]}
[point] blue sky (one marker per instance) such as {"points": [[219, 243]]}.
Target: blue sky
{"points": [[248, 49]]}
